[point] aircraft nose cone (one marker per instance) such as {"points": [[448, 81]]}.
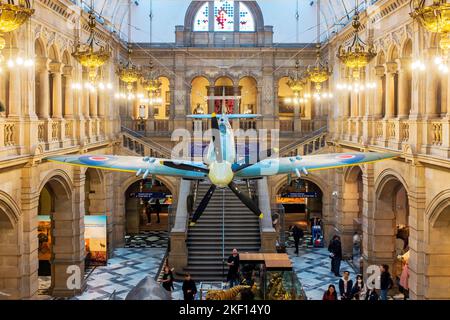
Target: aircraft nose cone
{"points": [[221, 174]]}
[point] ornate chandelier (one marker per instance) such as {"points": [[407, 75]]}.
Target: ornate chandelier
{"points": [[129, 73], [356, 56], [90, 58], [12, 17], [297, 82], [434, 18]]}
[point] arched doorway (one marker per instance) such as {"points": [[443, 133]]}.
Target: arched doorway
{"points": [[249, 93], [10, 282], [224, 86], [391, 235], [352, 217], [199, 94], [437, 267], [59, 237], [141, 206], [302, 203]]}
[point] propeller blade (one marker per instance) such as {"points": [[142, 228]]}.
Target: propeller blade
{"points": [[216, 138], [184, 166], [202, 206], [246, 200]]}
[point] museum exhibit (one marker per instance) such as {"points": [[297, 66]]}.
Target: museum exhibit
{"points": [[260, 150]]}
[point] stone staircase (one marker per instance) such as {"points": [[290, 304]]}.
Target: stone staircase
{"points": [[204, 242]]}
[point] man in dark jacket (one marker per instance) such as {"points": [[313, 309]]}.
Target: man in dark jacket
{"points": [[233, 268], [335, 250], [297, 233], [345, 286], [189, 288], [385, 281]]}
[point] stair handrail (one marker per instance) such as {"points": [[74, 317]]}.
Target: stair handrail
{"points": [[149, 143], [303, 140]]}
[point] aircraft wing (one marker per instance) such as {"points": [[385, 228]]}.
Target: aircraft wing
{"points": [[139, 165], [304, 164]]}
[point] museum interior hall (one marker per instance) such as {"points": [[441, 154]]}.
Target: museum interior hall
{"points": [[112, 177]]}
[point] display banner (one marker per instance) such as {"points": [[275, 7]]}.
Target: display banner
{"points": [[95, 240], [289, 200], [300, 195], [45, 238]]}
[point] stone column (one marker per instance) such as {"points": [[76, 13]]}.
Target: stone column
{"points": [[417, 234], [403, 89], [391, 68], [211, 102], [68, 97], [93, 104], [56, 72], [85, 99], [431, 94], [378, 93], [14, 89], [68, 248], [44, 89]]}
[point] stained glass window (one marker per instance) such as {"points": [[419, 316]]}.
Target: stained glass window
{"points": [[201, 21], [246, 21], [223, 15]]}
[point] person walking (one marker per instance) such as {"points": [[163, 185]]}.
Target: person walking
{"points": [[330, 294], [167, 279], [157, 210], [233, 268], [346, 286], [335, 249], [298, 234], [189, 288], [359, 289], [356, 245], [385, 282]]}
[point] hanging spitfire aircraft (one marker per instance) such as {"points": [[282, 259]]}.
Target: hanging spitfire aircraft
{"points": [[221, 165]]}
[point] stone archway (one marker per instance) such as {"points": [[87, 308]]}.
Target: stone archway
{"points": [[437, 254], [277, 182], [67, 244], [390, 228], [10, 250], [350, 219]]}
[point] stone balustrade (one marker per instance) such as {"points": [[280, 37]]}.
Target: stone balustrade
{"points": [[395, 134]]}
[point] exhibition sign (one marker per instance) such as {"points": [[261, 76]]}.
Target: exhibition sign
{"points": [[95, 240]]}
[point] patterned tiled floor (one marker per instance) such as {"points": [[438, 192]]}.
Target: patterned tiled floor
{"points": [[148, 239], [312, 267], [123, 272]]}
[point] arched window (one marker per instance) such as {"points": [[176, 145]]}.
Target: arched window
{"points": [[201, 21], [246, 21], [223, 15]]}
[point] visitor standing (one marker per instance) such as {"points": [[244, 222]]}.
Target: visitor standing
{"points": [[359, 289], [157, 209], [356, 245], [385, 281], [335, 249], [297, 233], [330, 294], [189, 288], [233, 268], [346, 286], [148, 211], [167, 279], [404, 277]]}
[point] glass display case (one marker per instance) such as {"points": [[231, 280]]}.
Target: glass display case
{"points": [[270, 277]]}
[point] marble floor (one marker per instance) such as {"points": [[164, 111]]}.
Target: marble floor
{"points": [[123, 272], [312, 267]]}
